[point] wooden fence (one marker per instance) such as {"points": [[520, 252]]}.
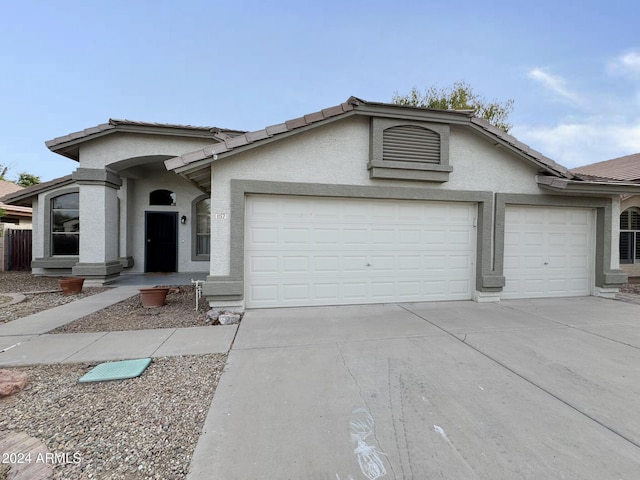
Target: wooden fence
{"points": [[19, 249]]}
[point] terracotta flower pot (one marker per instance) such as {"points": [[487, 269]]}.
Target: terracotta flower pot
{"points": [[153, 297], [71, 285]]}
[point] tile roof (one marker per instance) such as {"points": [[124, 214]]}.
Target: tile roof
{"points": [[522, 147], [59, 144], [24, 196], [267, 132], [8, 187], [625, 168], [352, 104]]}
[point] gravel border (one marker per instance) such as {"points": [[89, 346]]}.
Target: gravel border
{"points": [[38, 302], [140, 428]]}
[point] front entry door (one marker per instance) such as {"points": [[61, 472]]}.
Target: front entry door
{"points": [[161, 236]]}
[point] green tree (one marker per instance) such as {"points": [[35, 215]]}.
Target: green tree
{"points": [[459, 96], [27, 179]]}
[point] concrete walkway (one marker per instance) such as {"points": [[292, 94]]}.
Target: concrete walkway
{"points": [[25, 342]]}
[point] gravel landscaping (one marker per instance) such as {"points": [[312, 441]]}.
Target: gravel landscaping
{"points": [[24, 282], [141, 428], [179, 312]]}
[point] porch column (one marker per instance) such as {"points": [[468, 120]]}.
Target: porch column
{"points": [[98, 261]]}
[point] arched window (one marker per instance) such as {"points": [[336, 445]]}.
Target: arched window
{"points": [[65, 224], [162, 197], [203, 227], [630, 235]]}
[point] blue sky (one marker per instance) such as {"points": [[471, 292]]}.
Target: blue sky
{"points": [[572, 67]]}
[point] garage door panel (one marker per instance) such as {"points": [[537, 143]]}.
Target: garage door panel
{"points": [[549, 251], [409, 263], [293, 236], [263, 235], [295, 264], [383, 237], [408, 289], [409, 236], [263, 265], [357, 251], [325, 264], [295, 291], [382, 263], [326, 291], [434, 237]]}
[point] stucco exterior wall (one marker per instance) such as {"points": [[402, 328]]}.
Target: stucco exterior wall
{"points": [[108, 150], [98, 233], [338, 153]]}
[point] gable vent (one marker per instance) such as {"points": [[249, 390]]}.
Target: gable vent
{"points": [[409, 143]]}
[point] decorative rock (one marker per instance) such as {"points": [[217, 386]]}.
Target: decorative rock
{"points": [[229, 318], [25, 447], [213, 314], [11, 382]]}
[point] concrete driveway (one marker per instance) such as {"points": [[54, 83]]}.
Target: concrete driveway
{"points": [[536, 389]]}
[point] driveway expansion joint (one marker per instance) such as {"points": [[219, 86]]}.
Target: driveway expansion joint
{"points": [[83, 348], [531, 382]]}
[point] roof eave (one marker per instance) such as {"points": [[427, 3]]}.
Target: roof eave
{"points": [[567, 186], [70, 148], [209, 155], [25, 197], [418, 114]]}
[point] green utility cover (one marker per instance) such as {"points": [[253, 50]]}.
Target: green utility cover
{"points": [[116, 370]]}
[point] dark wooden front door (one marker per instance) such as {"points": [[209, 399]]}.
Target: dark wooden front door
{"points": [[161, 235]]}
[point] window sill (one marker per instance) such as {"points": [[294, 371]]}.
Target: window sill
{"points": [[426, 172], [54, 262]]}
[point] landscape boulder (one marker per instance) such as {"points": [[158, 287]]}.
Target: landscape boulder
{"points": [[11, 381], [213, 314], [229, 318], [224, 317]]}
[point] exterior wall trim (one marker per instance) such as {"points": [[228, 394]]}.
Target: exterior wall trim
{"points": [[96, 176], [231, 287], [605, 276]]}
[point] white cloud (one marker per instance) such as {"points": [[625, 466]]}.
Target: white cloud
{"points": [[626, 64], [578, 143], [556, 84], [606, 126]]}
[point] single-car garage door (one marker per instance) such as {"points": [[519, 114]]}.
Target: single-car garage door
{"points": [[548, 252], [335, 251]]}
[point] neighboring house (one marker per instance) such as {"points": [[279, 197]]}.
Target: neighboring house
{"points": [[622, 169], [362, 202], [18, 217]]}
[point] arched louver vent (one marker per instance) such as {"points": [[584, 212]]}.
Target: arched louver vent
{"points": [[409, 143]]}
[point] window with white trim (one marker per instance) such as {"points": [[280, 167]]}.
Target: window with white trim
{"points": [[203, 227], [630, 236]]}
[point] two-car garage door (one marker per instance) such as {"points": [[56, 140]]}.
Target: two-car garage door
{"points": [[336, 251]]}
